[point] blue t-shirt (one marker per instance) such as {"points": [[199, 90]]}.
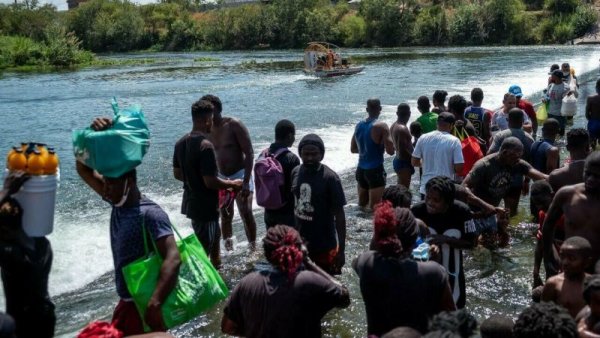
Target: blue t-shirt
{"points": [[126, 238]]}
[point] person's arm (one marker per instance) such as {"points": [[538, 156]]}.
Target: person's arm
{"points": [[415, 159], [216, 183], [588, 108], [534, 122], [353, 144], [90, 177], [340, 227], [486, 134], [405, 142], [310, 265], [549, 293], [537, 262], [495, 146], [386, 138], [415, 162], [552, 159], [167, 279], [177, 174], [458, 160], [536, 175], [243, 139], [552, 216], [12, 184], [458, 168], [451, 241]]}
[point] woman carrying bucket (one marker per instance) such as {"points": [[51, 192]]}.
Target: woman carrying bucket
{"points": [[25, 262]]}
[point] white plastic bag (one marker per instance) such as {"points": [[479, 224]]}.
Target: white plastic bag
{"points": [[569, 106]]}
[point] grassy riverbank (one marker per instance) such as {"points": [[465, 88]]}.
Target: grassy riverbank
{"points": [[33, 37]]}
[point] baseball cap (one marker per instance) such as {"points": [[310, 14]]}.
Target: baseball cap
{"points": [[558, 73], [515, 90], [446, 117]]}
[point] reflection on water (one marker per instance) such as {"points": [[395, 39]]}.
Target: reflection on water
{"points": [[261, 88]]}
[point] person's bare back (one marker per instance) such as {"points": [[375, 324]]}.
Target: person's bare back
{"points": [[565, 292], [570, 174], [228, 138], [592, 107], [402, 141]]}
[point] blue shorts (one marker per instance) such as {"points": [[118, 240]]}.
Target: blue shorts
{"points": [[402, 164], [593, 127]]}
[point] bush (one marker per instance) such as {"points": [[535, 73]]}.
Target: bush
{"points": [[563, 31], [500, 19], [352, 30], [465, 27], [562, 6], [431, 26], [389, 22], [584, 19], [62, 49]]}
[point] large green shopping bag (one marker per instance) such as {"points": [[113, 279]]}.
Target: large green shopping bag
{"points": [[198, 287], [117, 150]]}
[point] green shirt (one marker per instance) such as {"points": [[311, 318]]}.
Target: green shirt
{"points": [[428, 122]]}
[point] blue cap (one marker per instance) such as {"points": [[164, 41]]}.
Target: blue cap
{"points": [[515, 90]]}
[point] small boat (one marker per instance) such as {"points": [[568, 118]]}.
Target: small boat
{"points": [[324, 59]]}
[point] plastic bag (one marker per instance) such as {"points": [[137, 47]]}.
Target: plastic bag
{"points": [[198, 288], [117, 150], [569, 106], [542, 113]]}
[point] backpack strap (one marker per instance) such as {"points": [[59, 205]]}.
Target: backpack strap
{"points": [[276, 154]]}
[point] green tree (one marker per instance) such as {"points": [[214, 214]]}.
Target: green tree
{"points": [[466, 27], [389, 22], [431, 26]]}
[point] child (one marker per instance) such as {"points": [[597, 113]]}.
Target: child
{"points": [[541, 197], [566, 288], [589, 325]]}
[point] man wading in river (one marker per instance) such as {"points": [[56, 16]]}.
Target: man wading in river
{"points": [[579, 204], [235, 159], [371, 138]]}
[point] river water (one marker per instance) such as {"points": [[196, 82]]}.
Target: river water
{"points": [[261, 88]]}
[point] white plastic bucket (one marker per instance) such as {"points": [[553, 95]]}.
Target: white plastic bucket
{"points": [[38, 199]]}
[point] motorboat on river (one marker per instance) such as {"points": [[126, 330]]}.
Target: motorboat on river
{"points": [[324, 59]]}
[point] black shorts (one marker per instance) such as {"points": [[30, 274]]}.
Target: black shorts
{"points": [[371, 178], [208, 233]]}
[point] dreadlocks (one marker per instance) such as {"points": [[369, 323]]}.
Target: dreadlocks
{"points": [[282, 245]]}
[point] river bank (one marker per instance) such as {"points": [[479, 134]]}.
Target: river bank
{"points": [[47, 107]]}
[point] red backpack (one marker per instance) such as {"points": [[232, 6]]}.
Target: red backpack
{"points": [[471, 150]]}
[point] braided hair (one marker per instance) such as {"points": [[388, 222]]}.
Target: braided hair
{"points": [[385, 235], [283, 249], [444, 186]]}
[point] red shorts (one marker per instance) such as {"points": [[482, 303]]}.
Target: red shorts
{"points": [[126, 318]]}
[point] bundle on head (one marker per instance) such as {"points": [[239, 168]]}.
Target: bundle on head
{"points": [[385, 232], [283, 249]]}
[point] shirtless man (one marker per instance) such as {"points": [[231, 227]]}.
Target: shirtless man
{"points": [[578, 145], [371, 138], [404, 148], [566, 289], [592, 114], [579, 204], [235, 159]]}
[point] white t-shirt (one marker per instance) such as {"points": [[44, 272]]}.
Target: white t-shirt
{"points": [[439, 152]]}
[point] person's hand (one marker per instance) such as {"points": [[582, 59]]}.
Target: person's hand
{"points": [[101, 123], [438, 239], [245, 191], [14, 181], [237, 184], [502, 212], [434, 252], [340, 260], [154, 317]]}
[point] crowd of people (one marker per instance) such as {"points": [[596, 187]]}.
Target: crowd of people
{"points": [[473, 166]]}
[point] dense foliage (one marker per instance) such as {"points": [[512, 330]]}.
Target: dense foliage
{"points": [[119, 25]]}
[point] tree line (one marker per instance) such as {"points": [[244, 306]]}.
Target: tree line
{"points": [[175, 25]]}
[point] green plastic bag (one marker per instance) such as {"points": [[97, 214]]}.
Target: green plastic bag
{"points": [[117, 150], [542, 113], [198, 288]]}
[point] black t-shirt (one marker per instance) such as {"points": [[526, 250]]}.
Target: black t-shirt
{"points": [[399, 292], [457, 217], [318, 196], [195, 156], [266, 304], [490, 180]]}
